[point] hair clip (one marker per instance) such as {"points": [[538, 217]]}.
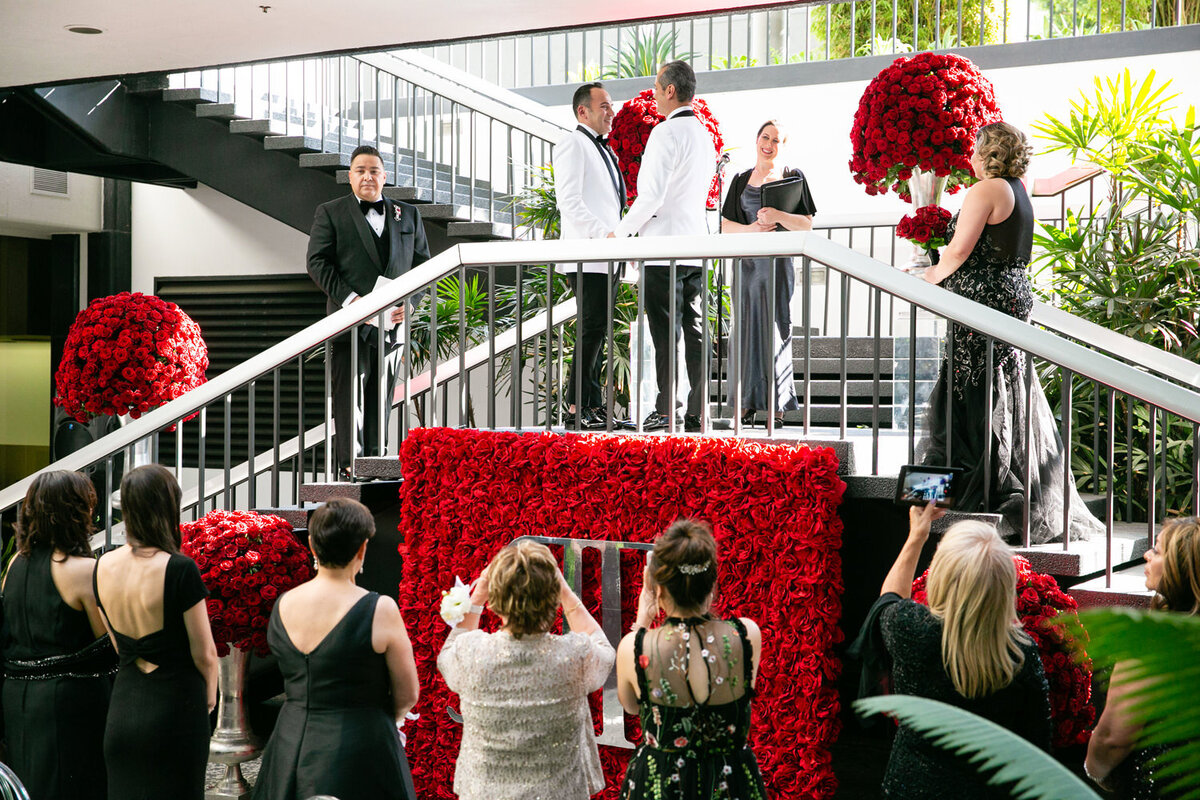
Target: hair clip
{"points": [[694, 569]]}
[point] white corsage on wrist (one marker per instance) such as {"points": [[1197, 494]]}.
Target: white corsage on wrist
{"points": [[456, 603]]}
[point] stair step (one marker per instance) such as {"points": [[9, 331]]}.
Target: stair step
{"points": [[296, 516], [379, 467], [190, 96], [487, 231], [259, 128], [292, 144], [407, 194], [153, 84], [444, 212], [219, 111], [329, 162], [1088, 558], [857, 347], [373, 494], [1128, 588]]}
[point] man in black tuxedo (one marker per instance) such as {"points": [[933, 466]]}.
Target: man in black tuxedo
{"points": [[357, 244]]}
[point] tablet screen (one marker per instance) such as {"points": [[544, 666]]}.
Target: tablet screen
{"points": [[918, 485]]}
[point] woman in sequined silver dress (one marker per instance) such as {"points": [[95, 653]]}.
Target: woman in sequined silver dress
{"points": [[58, 661], [690, 680], [1113, 761], [523, 691], [985, 261]]}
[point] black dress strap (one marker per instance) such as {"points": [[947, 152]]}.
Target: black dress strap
{"points": [[643, 687]]}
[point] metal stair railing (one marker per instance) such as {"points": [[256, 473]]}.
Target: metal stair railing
{"points": [[472, 146], [528, 363]]}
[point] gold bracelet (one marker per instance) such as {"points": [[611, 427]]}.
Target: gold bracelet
{"points": [[573, 608]]}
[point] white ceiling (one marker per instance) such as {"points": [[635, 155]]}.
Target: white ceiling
{"points": [[160, 35]]}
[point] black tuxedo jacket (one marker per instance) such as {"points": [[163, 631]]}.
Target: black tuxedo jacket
{"points": [[343, 258]]}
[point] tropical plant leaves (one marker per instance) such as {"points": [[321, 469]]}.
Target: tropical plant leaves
{"points": [[1032, 773]]}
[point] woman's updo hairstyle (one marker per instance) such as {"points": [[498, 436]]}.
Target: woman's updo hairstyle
{"points": [[685, 563], [523, 587], [1003, 149], [337, 529]]}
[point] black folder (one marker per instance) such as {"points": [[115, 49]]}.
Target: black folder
{"points": [[789, 195]]}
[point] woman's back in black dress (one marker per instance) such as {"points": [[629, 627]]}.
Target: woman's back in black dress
{"points": [[156, 741], [58, 676]]}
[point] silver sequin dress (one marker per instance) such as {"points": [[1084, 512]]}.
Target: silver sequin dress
{"points": [[527, 729]]}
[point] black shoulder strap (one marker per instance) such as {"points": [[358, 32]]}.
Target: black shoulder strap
{"points": [[747, 651], [637, 662]]}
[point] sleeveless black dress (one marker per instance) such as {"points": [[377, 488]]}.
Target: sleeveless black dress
{"points": [[335, 734], [994, 275], [156, 741], [693, 750], [57, 680]]}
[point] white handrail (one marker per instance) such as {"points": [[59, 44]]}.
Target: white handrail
{"points": [[682, 249], [491, 104]]}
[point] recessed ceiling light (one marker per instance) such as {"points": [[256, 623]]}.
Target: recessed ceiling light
{"points": [[86, 29]]}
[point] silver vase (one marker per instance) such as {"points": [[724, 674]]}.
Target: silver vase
{"points": [[232, 742], [926, 190]]}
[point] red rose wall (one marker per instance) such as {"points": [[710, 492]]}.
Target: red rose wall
{"points": [[773, 509]]}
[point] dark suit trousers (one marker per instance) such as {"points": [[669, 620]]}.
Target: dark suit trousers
{"points": [[361, 417], [591, 334], [665, 335]]}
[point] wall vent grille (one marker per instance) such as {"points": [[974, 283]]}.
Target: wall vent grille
{"points": [[49, 181]]}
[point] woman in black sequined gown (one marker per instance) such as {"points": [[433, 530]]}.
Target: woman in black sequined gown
{"points": [[985, 261], [1112, 759], [58, 662]]}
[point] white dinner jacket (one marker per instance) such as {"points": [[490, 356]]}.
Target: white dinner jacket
{"points": [[673, 182], [588, 204]]}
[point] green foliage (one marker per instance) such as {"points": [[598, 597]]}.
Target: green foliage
{"points": [[642, 54], [1080, 18], [1129, 266], [536, 206], [1031, 772], [937, 27]]}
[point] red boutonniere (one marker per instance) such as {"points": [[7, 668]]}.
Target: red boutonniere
{"points": [[396, 211]]}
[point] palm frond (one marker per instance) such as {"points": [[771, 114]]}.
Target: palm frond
{"points": [[1032, 773]]}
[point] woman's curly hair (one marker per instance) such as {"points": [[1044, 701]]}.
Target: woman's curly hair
{"points": [[1003, 149], [523, 587], [57, 513]]}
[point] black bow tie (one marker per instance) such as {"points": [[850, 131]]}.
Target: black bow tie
{"points": [[366, 206], [603, 140]]}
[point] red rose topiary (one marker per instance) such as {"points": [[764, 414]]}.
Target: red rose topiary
{"points": [[631, 128], [126, 354], [246, 560], [1040, 605], [920, 113]]}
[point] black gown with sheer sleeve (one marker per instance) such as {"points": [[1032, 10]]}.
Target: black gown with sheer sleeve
{"points": [[57, 680], [694, 749], [156, 740], [336, 734], [994, 275]]}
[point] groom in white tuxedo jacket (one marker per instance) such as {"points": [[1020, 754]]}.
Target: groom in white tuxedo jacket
{"points": [[590, 194], [676, 172]]}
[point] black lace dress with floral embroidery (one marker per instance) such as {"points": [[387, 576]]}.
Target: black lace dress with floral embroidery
{"points": [[994, 275], [694, 732]]}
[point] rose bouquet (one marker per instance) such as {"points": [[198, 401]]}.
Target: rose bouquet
{"points": [[1040, 605], [247, 560], [926, 227], [920, 113], [631, 128], [126, 354]]}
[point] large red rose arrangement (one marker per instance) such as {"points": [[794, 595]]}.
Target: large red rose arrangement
{"points": [[926, 227], [920, 113], [773, 509], [246, 560], [631, 128], [126, 354], [1042, 606]]}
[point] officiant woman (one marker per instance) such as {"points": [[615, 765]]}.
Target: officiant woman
{"points": [[765, 345]]}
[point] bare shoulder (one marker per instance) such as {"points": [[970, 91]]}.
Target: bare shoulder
{"points": [[386, 608], [79, 568], [753, 632]]}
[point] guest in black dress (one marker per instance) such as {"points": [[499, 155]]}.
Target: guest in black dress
{"points": [[765, 346], [348, 671], [58, 664], [152, 598], [965, 648], [690, 680], [990, 246], [1113, 759]]}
